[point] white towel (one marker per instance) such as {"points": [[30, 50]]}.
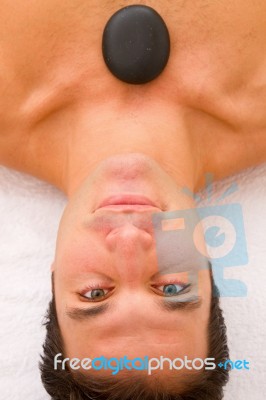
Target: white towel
{"points": [[30, 211]]}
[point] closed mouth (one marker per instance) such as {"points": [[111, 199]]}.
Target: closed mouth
{"points": [[128, 202]]}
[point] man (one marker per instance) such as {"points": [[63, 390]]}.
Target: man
{"points": [[122, 153], [113, 298]]}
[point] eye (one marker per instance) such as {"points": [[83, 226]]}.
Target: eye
{"points": [[174, 289], [96, 294]]}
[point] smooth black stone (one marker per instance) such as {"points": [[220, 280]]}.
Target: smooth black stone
{"points": [[136, 44]]}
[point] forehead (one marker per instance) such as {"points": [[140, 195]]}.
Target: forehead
{"points": [[153, 340]]}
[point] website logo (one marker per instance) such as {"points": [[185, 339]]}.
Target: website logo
{"points": [[145, 364], [179, 245]]}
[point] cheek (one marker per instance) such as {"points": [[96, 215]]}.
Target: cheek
{"points": [[79, 256]]}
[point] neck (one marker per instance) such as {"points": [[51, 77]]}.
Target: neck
{"points": [[156, 133]]}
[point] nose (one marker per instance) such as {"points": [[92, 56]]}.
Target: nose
{"points": [[129, 239]]}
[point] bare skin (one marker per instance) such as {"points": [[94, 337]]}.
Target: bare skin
{"points": [[62, 115], [62, 111]]}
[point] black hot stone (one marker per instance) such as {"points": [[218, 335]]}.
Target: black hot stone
{"points": [[136, 44]]}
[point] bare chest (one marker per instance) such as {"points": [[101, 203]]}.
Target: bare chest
{"points": [[51, 62]]}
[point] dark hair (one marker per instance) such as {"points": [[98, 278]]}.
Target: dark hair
{"points": [[64, 385]]}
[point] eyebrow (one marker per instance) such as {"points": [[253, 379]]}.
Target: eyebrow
{"points": [[82, 314], [192, 303]]}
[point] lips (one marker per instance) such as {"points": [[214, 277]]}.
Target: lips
{"points": [[128, 202]]}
